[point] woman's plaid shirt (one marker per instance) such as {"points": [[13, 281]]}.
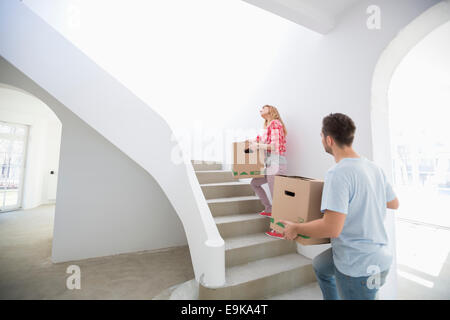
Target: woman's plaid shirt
{"points": [[274, 134]]}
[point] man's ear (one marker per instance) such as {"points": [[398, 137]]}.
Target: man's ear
{"points": [[329, 141]]}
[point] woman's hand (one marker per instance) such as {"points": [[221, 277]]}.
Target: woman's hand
{"points": [[253, 145]]}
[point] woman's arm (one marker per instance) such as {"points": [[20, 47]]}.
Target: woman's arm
{"points": [[264, 146], [273, 131]]}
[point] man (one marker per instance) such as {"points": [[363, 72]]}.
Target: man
{"points": [[354, 200]]}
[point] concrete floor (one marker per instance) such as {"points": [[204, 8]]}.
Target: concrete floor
{"points": [[423, 261], [26, 271]]}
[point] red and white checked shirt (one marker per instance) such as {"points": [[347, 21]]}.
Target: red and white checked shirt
{"points": [[274, 133]]}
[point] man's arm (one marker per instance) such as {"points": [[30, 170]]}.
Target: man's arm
{"points": [[330, 226], [394, 204]]}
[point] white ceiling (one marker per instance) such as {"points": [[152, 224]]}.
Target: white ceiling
{"points": [[330, 7], [318, 15]]}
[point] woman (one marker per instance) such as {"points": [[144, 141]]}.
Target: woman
{"points": [[273, 142]]}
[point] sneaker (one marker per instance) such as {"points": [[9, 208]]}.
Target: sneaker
{"points": [[274, 234], [265, 214]]}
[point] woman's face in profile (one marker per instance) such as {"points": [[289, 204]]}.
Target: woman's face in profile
{"points": [[264, 111]]}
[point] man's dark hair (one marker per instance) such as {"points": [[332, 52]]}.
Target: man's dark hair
{"points": [[340, 127]]}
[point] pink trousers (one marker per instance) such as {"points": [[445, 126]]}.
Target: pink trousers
{"points": [[256, 183]]}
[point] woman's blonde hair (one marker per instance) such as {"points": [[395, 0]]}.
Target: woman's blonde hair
{"points": [[273, 114]]}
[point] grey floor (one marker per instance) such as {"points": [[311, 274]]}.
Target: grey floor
{"points": [[26, 271]]}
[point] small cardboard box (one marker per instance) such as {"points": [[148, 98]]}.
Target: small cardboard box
{"points": [[247, 163], [297, 199]]}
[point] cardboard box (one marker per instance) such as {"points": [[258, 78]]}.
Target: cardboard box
{"points": [[297, 199], [247, 163]]}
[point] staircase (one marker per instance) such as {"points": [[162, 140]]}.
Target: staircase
{"points": [[257, 266]]}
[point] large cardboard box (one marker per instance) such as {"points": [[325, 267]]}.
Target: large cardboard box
{"points": [[247, 163], [297, 199]]}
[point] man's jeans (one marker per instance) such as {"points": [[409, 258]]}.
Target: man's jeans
{"points": [[336, 285]]}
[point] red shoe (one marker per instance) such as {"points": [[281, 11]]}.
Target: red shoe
{"points": [[265, 214], [274, 234]]}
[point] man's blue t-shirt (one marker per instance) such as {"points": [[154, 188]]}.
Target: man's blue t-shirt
{"points": [[359, 189]]}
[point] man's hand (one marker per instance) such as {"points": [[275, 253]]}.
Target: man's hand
{"points": [[394, 204], [290, 230]]}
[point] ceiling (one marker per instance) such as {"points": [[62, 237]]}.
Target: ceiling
{"points": [[318, 15]]}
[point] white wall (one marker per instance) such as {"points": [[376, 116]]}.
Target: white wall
{"points": [[43, 142], [213, 64], [106, 203], [53, 147]]}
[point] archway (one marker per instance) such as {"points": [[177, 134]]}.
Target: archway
{"points": [[387, 64], [30, 144]]}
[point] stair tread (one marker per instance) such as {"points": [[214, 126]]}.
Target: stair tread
{"points": [[212, 171], [202, 166], [248, 240], [310, 291], [232, 199], [238, 218], [205, 162], [228, 183], [265, 267]]}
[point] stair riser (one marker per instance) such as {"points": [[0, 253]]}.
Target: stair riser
{"points": [[214, 177], [261, 288], [205, 167], [235, 207], [259, 251], [214, 192], [234, 229]]}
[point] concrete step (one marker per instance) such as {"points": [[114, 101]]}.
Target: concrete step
{"points": [[262, 278], [227, 189], [212, 176], [206, 165], [183, 291], [257, 266], [234, 205], [241, 224], [189, 291], [310, 291], [251, 247]]}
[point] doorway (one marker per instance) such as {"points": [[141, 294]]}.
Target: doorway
{"points": [[421, 247], [419, 100], [419, 96], [13, 146]]}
